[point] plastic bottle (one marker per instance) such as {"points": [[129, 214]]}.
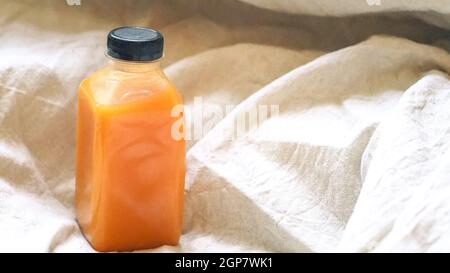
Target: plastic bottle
{"points": [[129, 167]]}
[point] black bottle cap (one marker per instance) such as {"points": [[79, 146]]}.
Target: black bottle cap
{"points": [[135, 44]]}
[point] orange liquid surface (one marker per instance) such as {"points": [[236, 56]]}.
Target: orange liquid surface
{"points": [[130, 170]]}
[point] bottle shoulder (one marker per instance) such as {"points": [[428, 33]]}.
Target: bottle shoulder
{"points": [[109, 86]]}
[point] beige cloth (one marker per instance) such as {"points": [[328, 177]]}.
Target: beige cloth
{"points": [[433, 11], [357, 159]]}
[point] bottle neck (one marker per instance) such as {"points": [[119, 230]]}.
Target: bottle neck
{"points": [[135, 67]]}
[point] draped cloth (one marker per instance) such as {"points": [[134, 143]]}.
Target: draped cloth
{"points": [[356, 158]]}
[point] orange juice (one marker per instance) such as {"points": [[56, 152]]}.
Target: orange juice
{"points": [[129, 166]]}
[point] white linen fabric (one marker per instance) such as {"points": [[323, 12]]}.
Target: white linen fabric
{"points": [[356, 160], [434, 11]]}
